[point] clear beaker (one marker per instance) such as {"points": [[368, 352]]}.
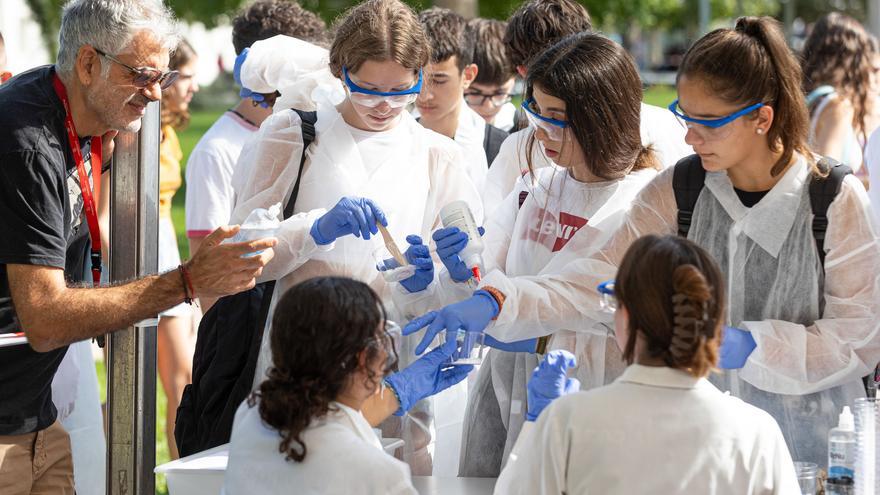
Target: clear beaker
{"points": [[389, 267], [469, 347], [806, 476]]}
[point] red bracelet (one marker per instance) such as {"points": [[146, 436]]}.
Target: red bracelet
{"points": [[189, 292]]}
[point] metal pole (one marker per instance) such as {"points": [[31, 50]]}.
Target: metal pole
{"points": [[131, 370], [874, 17], [788, 14], [705, 16]]}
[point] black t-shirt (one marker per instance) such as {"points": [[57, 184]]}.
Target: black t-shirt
{"points": [[41, 223], [750, 198]]}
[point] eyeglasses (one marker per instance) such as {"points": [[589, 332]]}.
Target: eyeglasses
{"points": [[554, 128], [371, 98], [607, 301], [710, 129], [477, 99], [146, 76]]}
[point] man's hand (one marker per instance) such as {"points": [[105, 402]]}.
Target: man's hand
{"points": [[221, 269]]}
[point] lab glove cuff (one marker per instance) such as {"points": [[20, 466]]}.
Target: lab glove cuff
{"points": [[388, 385], [494, 295], [315, 232]]}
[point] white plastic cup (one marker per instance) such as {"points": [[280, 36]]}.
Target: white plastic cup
{"points": [[806, 475], [469, 347], [390, 269]]}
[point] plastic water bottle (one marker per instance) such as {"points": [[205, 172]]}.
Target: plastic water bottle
{"points": [[841, 455], [458, 214], [261, 223]]}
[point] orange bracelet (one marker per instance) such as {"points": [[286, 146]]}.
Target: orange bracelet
{"points": [[497, 295]]}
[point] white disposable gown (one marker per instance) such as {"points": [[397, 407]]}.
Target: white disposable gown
{"points": [[343, 456], [538, 222], [411, 182], [654, 430], [816, 336], [469, 134], [659, 129]]}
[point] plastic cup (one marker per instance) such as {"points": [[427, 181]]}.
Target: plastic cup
{"points": [[247, 234], [469, 347], [390, 269], [806, 475]]}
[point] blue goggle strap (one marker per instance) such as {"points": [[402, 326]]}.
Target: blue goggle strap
{"points": [[354, 88], [714, 123], [525, 106], [606, 287]]}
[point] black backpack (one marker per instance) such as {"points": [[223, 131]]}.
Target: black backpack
{"points": [[227, 348], [492, 139], [689, 176]]}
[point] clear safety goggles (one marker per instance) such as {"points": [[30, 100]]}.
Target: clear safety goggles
{"points": [[371, 98], [555, 129], [607, 301], [710, 129]]}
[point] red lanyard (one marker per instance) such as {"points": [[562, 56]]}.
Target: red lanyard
{"points": [[88, 199]]}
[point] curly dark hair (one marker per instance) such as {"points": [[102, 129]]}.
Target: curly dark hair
{"points": [[449, 35], [839, 52], [264, 19], [320, 330]]}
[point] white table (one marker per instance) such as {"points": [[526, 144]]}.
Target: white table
{"points": [[431, 485]]}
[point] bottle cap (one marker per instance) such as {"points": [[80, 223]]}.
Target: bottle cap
{"points": [[846, 420]]}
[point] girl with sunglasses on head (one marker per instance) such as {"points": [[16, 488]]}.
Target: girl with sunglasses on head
{"points": [[662, 415], [583, 101], [307, 428], [803, 285], [370, 162]]}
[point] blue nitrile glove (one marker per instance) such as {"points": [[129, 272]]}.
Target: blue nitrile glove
{"points": [[417, 254], [549, 382], [236, 74], [351, 215], [518, 346], [736, 347], [450, 241], [473, 315], [426, 376]]}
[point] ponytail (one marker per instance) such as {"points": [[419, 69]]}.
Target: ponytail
{"points": [[750, 64], [674, 294]]}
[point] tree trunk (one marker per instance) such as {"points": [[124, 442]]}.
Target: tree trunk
{"points": [[467, 8]]}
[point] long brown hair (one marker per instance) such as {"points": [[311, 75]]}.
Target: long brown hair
{"points": [[840, 53], [674, 293], [600, 85], [751, 63], [182, 55], [379, 30], [320, 329]]}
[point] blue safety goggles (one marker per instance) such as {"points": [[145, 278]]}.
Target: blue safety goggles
{"points": [[371, 98], [553, 127], [712, 123]]}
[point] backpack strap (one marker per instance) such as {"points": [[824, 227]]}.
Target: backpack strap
{"points": [[309, 119], [688, 178], [492, 139], [823, 190]]}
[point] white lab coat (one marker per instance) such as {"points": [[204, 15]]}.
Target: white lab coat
{"points": [[469, 134], [654, 430], [343, 456], [809, 358], [659, 129]]}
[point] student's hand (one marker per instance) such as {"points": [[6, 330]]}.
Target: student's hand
{"points": [[351, 215], [450, 241], [472, 315], [736, 347], [425, 377], [219, 270], [549, 382], [417, 254]]}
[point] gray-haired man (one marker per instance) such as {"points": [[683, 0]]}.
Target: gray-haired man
{"points": [[112, 61]]}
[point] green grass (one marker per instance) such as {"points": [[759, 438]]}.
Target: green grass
{"points": [[660, 96]]}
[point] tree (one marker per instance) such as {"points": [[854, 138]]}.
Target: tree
{"points": [[47, 13]]}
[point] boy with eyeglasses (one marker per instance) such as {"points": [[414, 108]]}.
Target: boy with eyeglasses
{"points": [[440, 106], [490, 93]]}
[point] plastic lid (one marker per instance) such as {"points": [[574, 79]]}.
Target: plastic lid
{"points": [[846, 420]]}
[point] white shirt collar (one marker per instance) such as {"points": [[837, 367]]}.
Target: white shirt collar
{"points": [[769, 222], [660, 376], [355, 421]]}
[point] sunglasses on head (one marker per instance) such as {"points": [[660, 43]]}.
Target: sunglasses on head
{"points": [[143, 77]]}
